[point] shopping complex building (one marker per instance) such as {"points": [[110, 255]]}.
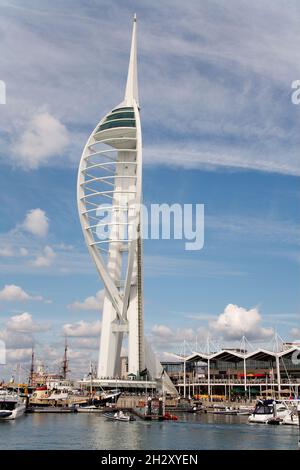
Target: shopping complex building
{"points": [[238, 373]]}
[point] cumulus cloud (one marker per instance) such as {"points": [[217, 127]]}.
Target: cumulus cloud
{"points": [[162, 331], [94, 302], [15, 339], [237, 321], [6, 252], [44, 137], [45, 259], [163, 337], [295, 333], [18, 355], [79, 360], [11, 293], [23, 251], [85, 343], [82, 329], [24, 323], [36, 222]]}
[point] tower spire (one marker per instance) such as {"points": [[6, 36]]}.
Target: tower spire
{"points": [[131, 92]]}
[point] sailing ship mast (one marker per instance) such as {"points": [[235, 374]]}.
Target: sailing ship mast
{"points": [[31, 375], [65, 364]]}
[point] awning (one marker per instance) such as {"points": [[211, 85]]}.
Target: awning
{"points": [[252, 375]]}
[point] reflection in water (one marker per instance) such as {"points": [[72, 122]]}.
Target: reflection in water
{"points": [[83, 431]]}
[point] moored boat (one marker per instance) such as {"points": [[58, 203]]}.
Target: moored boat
{"points": [[52, 409], [11, 406], [227, 410], [89, 409], [291, 419], [119, 416], [269, 411], [110, 396]]}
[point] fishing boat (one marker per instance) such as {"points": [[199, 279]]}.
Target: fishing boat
{"points": [[11, 406]]}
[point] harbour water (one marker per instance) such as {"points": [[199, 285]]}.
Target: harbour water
{"points": [[193, 432]]}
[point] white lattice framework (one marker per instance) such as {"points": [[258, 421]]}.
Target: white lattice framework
{"points": [[109, 196]]}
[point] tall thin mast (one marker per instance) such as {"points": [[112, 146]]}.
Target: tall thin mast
{"points": [[65, 361], [131, 92], [31, 375]]}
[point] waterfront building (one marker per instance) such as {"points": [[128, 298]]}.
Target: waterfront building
{"points": [[232, 372]]}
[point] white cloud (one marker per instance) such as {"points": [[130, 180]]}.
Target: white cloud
{"points": [[23, 251], [90, 303], [36, 222], [82, 329], [44, 137], [236, 321], [85, 343], [67, 259], [46, 259], [79, 360], [15, 339], [6, 252], [239, 72], [162, 331], [162, 336], [222, 156], [24, 323], [11, 293], [18, 355], [295, 333]]}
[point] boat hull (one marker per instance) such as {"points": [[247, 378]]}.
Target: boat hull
{"points": [[12, 414]]}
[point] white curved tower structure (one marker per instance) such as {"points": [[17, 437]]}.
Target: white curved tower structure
{"points": [[109, 196]]}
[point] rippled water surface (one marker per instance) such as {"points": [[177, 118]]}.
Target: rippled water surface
{"points": [[84, 431]]}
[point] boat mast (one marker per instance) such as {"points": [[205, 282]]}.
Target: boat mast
{"points": [[91, 379], [31, 368], [65, 361]]}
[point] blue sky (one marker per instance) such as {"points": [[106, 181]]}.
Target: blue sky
{"points": [[219, 128]]}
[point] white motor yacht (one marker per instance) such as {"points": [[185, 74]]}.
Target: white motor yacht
{"points": [[11, 406], [267, 410]]}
